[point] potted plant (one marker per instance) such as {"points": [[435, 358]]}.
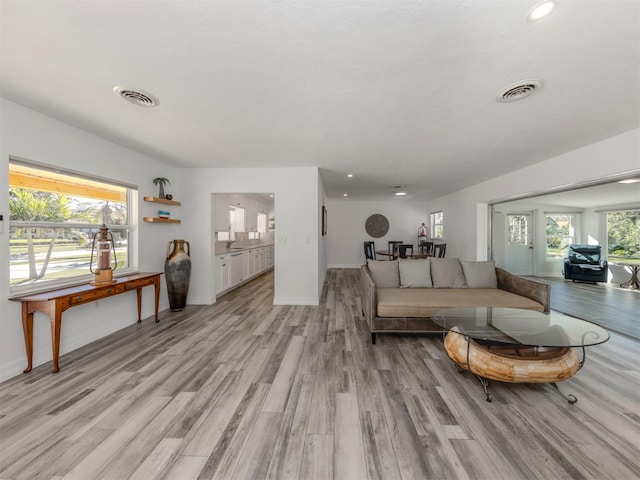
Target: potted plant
{"points": [[161, 181]]}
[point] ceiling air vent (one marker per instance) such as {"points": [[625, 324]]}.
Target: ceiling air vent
{"points": [[136, 97], [519, 90]]}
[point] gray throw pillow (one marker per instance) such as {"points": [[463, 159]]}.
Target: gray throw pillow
{"points": [[385, 273], [480, 274], [447, 273], [415, 273]]}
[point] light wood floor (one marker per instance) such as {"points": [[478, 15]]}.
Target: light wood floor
{"points": [[608, 305], [246, 390]]}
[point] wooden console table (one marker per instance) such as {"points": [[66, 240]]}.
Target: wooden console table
{"points": [[54, 302]]}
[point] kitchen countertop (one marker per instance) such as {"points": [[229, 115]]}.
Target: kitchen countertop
{"points": [[224, 251]]}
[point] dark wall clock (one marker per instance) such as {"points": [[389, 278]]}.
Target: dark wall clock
{"points": [[377, 225]]}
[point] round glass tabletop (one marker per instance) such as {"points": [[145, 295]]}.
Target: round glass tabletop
{"points": [[521, 327]]}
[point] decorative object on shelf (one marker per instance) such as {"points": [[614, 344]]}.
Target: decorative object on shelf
{"points": [[377, 225], [168, 196], [324, 220], [161, 181], [272, 224], [101, 248], [177, 271], [163, 214]]}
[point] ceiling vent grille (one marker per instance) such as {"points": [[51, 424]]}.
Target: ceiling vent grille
{"points": [[136, 97], [519, 90]]}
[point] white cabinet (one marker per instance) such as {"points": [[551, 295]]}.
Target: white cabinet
{"points": [[235, 272], [248, 263], [251, 215], [222, 273], [222, 212], [263, 259], [270, 256]]}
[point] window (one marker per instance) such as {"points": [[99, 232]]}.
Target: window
{"points": [[262, 223], [560, 232], [623, 236], [519, 229], [53, 218], [437, 225], [236, 220]]}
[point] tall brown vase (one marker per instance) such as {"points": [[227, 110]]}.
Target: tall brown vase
{"points": [[177, 270]]}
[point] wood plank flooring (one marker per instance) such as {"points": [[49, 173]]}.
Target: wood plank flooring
{"points": [[608, 305], [247, 390]]}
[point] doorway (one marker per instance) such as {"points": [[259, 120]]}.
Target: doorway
{"points": [[519, 243]]}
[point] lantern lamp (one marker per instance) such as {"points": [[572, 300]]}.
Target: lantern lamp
{"points": [[101, 249]]}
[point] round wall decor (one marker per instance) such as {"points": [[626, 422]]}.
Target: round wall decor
{"points": [[377, 225]]}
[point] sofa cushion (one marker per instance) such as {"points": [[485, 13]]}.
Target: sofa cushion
{"points": [[385, 273], [447, 273], [480, 274], [413, 302], [415, 273]]}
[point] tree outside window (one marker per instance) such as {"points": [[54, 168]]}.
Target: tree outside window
{"points": [[53, 217], [437, 225], [560, 232], [623, 237]]}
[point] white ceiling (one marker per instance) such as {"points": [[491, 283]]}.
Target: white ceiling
{"points": [[395, 92]]}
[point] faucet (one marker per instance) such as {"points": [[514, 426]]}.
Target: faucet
{"points": [[229, 242]]}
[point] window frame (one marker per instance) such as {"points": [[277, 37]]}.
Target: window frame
{"points": [[573, 227], [434, 224], [129, 227]]}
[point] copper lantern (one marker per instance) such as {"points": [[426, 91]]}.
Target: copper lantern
{"points": [[101, 250]]}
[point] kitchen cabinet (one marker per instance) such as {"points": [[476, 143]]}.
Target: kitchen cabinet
{"points": [[235, 273], [222, 213], [248, 263], [270, 257], [251, 215], [222, 273]]}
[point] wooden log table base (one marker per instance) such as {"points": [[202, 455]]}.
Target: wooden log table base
{"points": [[54, 302], [512, 363]]}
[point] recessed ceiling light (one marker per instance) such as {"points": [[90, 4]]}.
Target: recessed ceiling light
{"points": [[137, 97], [350, 175], [345, 194], [400, 194], [630, 180], [541, 9]]}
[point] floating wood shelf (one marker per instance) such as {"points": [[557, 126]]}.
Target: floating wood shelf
{"points": [[160, 220], [161, 200]]}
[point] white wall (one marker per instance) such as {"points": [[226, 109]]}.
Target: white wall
{"points": [[296, 210], [299, 270], [466, 211], [346, 232], [29, 135]]}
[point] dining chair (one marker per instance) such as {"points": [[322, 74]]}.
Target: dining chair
{"points": [[405, 250], [393, 248], [439, 250], [427, 247], [370, 250]]}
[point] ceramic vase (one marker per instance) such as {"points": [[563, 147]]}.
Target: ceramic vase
{"points": [[177, 270]]}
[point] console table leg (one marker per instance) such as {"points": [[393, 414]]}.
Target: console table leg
{"points": [[139, 295], [27, 330], [55, 314], [156, 287]]}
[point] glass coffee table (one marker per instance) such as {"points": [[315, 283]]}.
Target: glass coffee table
{"points": [[517, 346]]}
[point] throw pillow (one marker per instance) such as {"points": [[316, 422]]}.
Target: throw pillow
{"points": [[480, 274], [385, 273], [415, 274], [447, 273]]}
